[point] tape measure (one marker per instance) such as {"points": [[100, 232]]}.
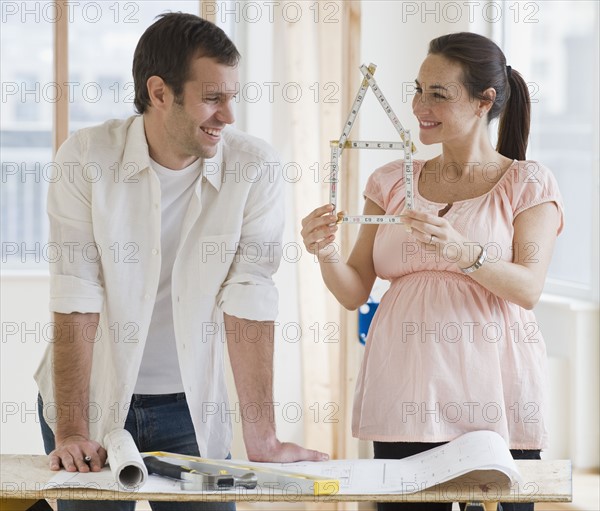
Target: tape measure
{"points": [[338, 146]]}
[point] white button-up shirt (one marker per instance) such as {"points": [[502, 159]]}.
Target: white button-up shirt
{"points": [[105, 226]]}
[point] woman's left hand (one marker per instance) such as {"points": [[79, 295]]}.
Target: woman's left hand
{"points": [[436, 231]]}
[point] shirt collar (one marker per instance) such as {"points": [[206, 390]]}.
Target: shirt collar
{"points": [[212, 168], [137, 152], [136, 147]]}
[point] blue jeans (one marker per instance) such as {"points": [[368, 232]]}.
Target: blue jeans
{"points": [[156, 423]]}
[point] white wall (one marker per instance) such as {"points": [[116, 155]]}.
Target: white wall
{"points": [[25, 335], [571, 331]]}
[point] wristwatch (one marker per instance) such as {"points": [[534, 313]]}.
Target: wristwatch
{"points": [[478, 263]]}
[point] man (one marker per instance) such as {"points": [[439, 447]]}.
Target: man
{"points": [[169, 226]]}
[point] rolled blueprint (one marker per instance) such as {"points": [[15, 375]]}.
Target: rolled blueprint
{"points": [[125, 461]]}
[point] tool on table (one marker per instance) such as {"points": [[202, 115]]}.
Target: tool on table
{"points": [[193, 476], [268, 477]]}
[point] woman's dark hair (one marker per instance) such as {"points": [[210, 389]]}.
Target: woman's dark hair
{"points": [[484, 66], [167, 48]]}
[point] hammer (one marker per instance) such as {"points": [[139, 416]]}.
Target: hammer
{"points": [[192, 479]]}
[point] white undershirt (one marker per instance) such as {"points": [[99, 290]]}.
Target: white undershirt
{"points": [[159, 372]]}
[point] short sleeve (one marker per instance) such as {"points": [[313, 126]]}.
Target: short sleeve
{"points": [[385, 182], [534, 184], [373, 190]]}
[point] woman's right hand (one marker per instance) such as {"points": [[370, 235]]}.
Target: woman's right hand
{"points": [[318, 231]]}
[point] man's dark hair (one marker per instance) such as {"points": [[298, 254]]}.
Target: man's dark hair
{"points": [[169, 45]]}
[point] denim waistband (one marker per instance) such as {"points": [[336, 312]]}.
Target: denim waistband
{"points": [[156, 399]]}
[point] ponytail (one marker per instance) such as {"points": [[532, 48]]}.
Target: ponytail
{"points": [[513, 129]]}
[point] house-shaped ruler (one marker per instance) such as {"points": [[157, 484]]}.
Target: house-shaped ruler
{"points": [[338, 146]]}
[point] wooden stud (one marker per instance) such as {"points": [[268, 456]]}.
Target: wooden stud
{"points": [[60, 130], [347, 446]]}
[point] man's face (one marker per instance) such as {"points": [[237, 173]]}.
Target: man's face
{"points": [[194, 121]]}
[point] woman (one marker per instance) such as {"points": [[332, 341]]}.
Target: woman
{"points": [[454, 346]]}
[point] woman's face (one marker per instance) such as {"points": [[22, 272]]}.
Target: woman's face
{"points": [[446, 112]]}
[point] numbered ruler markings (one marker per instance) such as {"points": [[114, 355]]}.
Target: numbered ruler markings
{"points": [[370, 219], [373, 144], [408, 170], [333, 174], [360, 96]]}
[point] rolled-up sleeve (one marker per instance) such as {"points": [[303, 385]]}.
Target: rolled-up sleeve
{"points": [[75, 269], [249, 291]]}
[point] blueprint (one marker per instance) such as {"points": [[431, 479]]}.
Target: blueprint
{"points": [[475, 451], [483, 455]]}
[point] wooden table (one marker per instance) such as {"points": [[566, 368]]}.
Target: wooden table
{"points": [[22, 481]]}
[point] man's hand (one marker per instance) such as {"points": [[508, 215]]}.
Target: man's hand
{"points": [[72, 451], [252, 364], [285, 452]]}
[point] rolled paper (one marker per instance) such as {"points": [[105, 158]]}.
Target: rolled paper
{"points": [[125, 461]]}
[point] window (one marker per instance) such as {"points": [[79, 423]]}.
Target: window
{"points": [[102, 38], [108, 35], [556, 50], [28, 93]]}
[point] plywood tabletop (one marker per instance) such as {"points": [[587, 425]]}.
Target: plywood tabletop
{"points": [[25, 477]]}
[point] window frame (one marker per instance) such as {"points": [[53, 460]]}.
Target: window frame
{"points": [[556, 287]]}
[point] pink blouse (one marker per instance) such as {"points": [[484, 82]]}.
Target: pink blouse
{"points": [[444, 355]]}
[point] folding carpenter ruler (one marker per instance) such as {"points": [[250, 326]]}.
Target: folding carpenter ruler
{"points": [[338, 146]]}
